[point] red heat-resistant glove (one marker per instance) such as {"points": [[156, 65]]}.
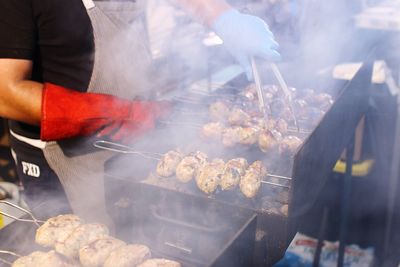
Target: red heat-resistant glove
{"points": [[67, 113]]}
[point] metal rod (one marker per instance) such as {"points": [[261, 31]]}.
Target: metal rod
{"points": [[393, 184], [345, 205], [34, 220], [194, 125], [279, 176], [299, 131], [120, 148], [187, 250], [5, 262], [10, 253], [286, 91], [21, 220], [260, 94], [274, 184], [321, 234]]}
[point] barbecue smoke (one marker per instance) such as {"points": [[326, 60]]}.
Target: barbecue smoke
{"points": [[172, 57]]}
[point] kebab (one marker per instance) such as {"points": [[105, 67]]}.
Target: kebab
{"points": [[233, 171], [250, 183], [167, 165], [209, 175], [187, 169]]}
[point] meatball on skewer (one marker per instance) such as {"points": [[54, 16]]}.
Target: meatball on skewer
{"points": [[167, 165], [233, 171]]}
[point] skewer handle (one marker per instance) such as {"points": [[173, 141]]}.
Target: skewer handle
{"points": [[34, 220]]}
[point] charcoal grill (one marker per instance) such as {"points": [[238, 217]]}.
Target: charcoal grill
{"points": [[227, 242], [309, 169]]}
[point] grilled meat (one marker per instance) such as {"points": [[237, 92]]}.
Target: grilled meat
{"points": [[268, 139], [56, 229], [159, 263], [281, 126], [128, 256], [231, 136], [238, 117], [95, 253], [289, 145], [218, 111], [251, 182], [234, 169], [212, 130], [187, 168], [209, 176], [248, 135], [284, 209], [81, 236], [200, 156], [43, 259], [167, 165]]}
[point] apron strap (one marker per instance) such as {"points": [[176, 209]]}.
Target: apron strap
{"points": [[89, 4]]}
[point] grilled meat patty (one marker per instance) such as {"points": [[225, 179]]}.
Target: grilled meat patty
{"points": [[212, 130], [56, 229], [43, 259], [251, 182], [167, 165], [218, 111], [128, 256], [268, 139], [239, 117], [233, 171], [187, 168], [209, 175], [231, 136], [81, 236], [289, 145], [95, 253]]}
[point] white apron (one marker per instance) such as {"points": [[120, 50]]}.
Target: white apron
{"points": [[120, 68]]}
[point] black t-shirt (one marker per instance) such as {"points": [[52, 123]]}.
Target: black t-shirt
{"points": [[56, 35]]}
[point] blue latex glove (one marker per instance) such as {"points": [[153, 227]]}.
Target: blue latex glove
{"points": [[246, 36]]}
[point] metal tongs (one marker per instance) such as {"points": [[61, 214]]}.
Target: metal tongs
{"points": [[119, 148], [33, 220], [282, 84], [260, 94]]}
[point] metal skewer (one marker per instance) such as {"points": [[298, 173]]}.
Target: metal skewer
{"points": [[6, 252], [34, 220], [279, 177], [6, 262], [274, 184], [193, 125], [10, 253], [115, 147], [285, 90]]}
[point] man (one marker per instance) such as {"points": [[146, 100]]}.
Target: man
{"points": [[53, 87]]}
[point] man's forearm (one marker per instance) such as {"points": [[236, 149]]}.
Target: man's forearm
{"points": [[20, 99], [204, 10]]}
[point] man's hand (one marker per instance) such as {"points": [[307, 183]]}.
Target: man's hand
{"points": [[68, 113], [246, 36]]}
